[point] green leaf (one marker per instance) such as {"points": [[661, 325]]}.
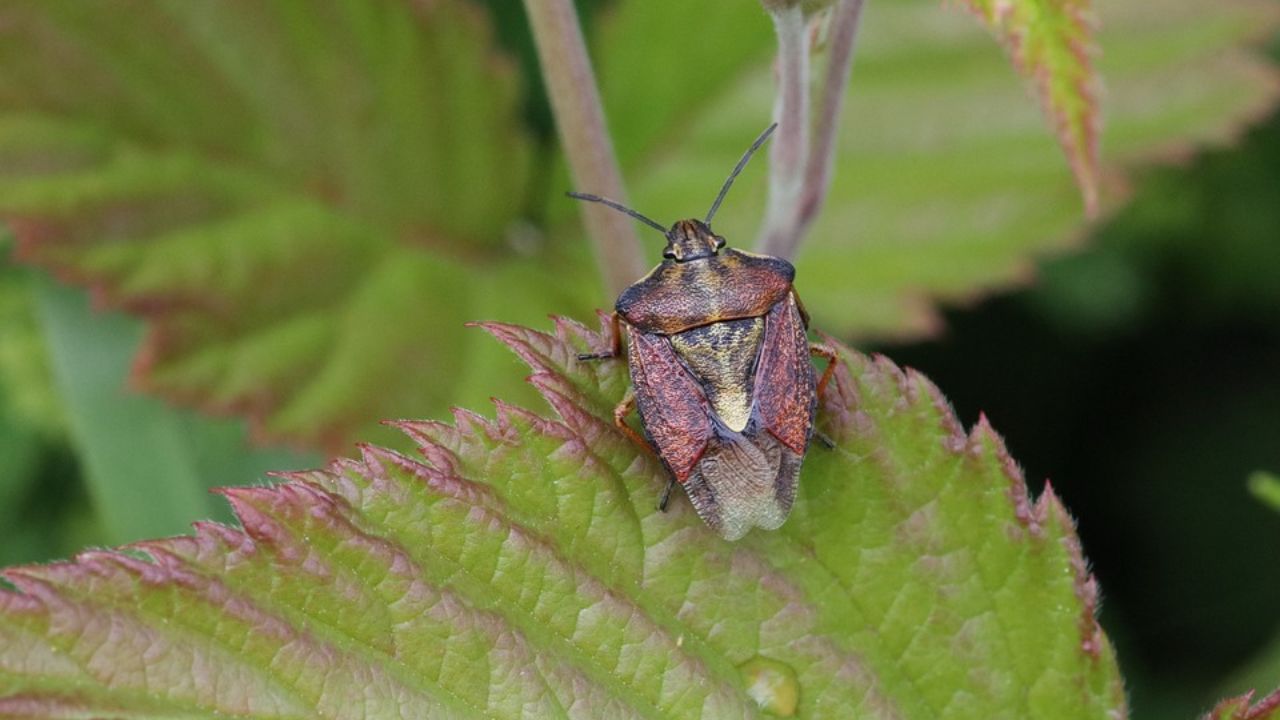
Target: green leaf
{"points": [[25, 381], [947, 183], [1243, 708], [137, 494], [1261, 671], [520, 568], [1265, 487], [148, 467], [1051, 44], [19, 456], [305, 201], [28, 415]]}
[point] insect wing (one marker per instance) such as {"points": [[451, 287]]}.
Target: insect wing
{"points": [[672, 406], [785, 385]]}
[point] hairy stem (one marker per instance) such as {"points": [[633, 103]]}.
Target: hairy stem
{"points": [[846, 18], [798, 188], [575, 100], [789, 151]]}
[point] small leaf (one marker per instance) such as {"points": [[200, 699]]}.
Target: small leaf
{"points": [[520, 568], [1243, 708], [1051, 42], [1265, 487]]}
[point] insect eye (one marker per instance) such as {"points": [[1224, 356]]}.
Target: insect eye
{"points": [[719, 242]]}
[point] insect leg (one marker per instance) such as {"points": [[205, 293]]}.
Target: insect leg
{"points": [[620, 413], [832, 357], [612, 352], [666, 494]]}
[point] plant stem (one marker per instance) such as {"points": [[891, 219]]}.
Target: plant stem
{"points": [[795, 200], [790, 149], [846, 18], [575, 100]]}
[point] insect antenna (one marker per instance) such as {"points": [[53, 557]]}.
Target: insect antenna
{"points": [[619, 207], [741, 164]]}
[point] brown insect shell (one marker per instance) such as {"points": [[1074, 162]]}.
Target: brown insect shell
{"points": [[699, 284], [720, 368]]}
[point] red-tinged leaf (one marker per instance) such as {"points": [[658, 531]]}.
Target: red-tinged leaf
{"points": [[1052, 42], [520, 568], [1243, 708], [304, 201]]}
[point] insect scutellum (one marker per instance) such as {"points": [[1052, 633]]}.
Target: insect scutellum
{"points": [[690, 239]]}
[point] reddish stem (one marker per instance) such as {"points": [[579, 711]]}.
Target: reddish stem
{"points": [[579, 114]]}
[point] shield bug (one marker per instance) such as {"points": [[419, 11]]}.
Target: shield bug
{"points": [[715, 342]]}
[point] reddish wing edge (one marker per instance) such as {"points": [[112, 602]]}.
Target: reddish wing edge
{"points": [[785, 386], [674, 409]]}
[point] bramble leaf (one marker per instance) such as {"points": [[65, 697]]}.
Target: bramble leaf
{"points": [[520, 568], [304, 201], [1051, 42], [1243, 708]]}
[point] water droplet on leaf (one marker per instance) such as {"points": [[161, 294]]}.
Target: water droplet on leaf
{"points": [[772, 684]]}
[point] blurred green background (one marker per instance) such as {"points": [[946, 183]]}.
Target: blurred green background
{"points": [[1138, 370]]}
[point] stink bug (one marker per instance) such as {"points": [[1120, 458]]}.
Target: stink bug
{"points": [[720, 373]]}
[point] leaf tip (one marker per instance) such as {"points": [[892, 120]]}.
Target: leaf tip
{"points": [[1054, 47], [1239, 708], [1051, 513]]}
